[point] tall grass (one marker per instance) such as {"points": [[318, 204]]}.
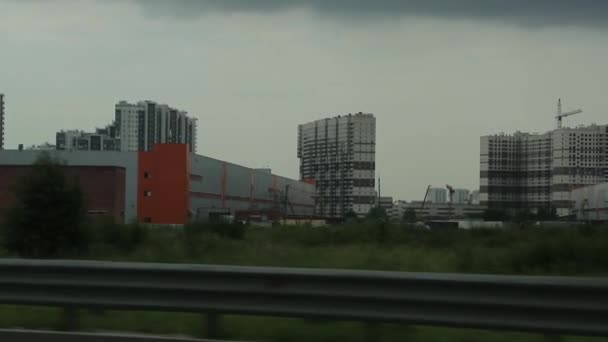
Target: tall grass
{"points": [[374, 246]]}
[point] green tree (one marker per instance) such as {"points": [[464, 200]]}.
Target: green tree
{"points": [[492, 214], [350, 216], [409, 216], [377, 213], [546, 214], [48, 215], [522, 216]]}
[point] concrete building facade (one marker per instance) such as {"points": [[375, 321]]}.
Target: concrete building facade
{"points": [[530, 171], [437, 195], [338, 155], [438, 211], [142, 125], [474, 197], [461, 196]]}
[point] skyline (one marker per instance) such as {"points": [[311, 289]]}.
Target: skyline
{"points": [[435, 82]]}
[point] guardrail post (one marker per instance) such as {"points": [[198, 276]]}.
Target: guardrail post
{"points": [[213, 325]]}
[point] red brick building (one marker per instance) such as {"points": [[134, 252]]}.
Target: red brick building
{"points": [[103, 186]]}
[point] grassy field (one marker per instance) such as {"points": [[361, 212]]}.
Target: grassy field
{"points": [[260, 328], [576, 251]]}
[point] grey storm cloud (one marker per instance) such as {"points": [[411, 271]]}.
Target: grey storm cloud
{"points": [[586, 13]]}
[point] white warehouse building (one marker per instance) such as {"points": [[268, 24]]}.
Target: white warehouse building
{"points": [[591, 202]]}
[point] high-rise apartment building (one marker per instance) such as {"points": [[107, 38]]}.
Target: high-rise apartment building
{"points": [[104, 139], [531, 171], [64, 139], [1, 121], [139, 126], [339, 155], [474, 197]]}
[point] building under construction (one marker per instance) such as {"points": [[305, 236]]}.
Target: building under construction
{"points": [[532, 171], [338, 155], [167, 185]]}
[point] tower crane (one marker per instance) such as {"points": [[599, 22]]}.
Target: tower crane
{"points": [[425, 196], [451, 192], [561, 115]]}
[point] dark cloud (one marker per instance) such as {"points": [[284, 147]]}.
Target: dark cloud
{"points": [[587, 13]]}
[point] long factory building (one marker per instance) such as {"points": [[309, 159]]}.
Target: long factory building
{"points": [[166, 185]]}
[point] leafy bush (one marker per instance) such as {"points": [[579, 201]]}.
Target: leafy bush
{"points": [[123, 237], [224, 229], [48, 216]]}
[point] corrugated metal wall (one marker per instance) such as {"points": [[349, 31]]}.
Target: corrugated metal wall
{"points": [[217, 185]]}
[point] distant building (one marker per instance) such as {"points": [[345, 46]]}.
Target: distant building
{"points": [[1, 122], [386, 203], [439, 211], [339, 155], [43, 147], [142, 125], [64, 140], [136, 127], [474, 197], [104, 139], [437, 195], [397, 211], [532, 171], [460, 196], [591, 202]]}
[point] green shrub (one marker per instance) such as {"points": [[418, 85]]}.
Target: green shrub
{"points": [[117, 236], [224, 229], [48, 216]]}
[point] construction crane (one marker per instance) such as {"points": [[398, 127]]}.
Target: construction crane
{"points": [[425, 196], [561, 115], [451, 197], [450, 192]]}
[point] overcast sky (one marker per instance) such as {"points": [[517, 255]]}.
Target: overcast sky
{"points": [[437, 74]]}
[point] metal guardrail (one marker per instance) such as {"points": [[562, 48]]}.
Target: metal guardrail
{"points": [[54, 336], [541, 304]]}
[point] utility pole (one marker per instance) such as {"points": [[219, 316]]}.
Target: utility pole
{"points": [[379, 191]]}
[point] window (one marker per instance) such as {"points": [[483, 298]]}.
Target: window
{"points": [[147, 193], [147, 175]]}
